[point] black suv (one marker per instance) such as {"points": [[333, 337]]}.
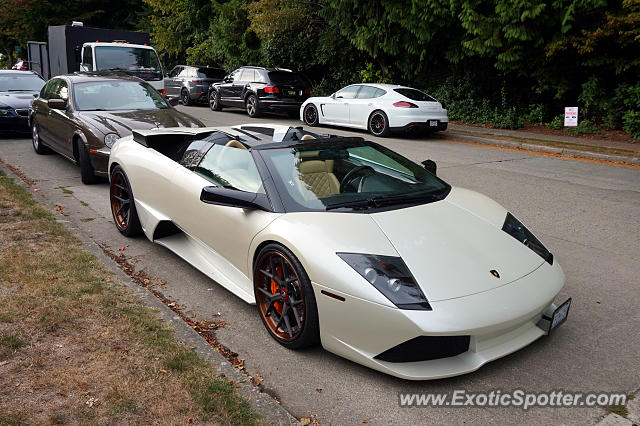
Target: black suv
{"points": [[191, 83], [261, 89]]}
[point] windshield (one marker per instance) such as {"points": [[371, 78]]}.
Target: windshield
{"points": [[414, 94], [20, 81], [349, 176], [113, 95], [211, 73], [286, 77], [132, 59]]}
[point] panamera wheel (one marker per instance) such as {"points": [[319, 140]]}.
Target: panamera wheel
{"points": [[285, 298], [379, 124], [123, 207], [310, 114]]}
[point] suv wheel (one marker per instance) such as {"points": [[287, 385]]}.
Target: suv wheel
{"points": [[184, 96], [214, 101], [253, 108]]}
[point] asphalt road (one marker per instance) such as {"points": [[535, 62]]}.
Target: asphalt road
{"points": [[586, 213]]}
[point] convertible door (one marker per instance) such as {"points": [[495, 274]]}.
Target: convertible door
{"points": [[223, 234]]}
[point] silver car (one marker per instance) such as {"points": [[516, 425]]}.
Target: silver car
{"points": [[191, 83]]}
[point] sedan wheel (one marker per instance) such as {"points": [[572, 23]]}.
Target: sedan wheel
{"points": [[37, 142], [285, 298], [310, 115], [379, 124], [186, 99], [123, 208], [253, 108]]}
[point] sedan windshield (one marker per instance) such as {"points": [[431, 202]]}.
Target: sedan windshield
{"points": [[114, 95], [17, 82], [349, 175]]}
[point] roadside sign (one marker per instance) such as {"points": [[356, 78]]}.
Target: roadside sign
{"points": [[571, 116]]}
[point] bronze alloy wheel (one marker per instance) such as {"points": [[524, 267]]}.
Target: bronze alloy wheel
{"points": [[123, 206], [120, 199], [282, 300]]}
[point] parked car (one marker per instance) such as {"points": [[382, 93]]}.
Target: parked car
{"points": [[82, 115], [17, 92], [21, 65], [343, 242], [261, 89], [378, 108], [191, 83]]}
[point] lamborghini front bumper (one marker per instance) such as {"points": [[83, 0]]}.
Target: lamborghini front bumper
{"points": [[492, 324]]}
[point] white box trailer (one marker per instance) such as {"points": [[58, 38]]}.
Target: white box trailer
{"points": [[74, 48]]}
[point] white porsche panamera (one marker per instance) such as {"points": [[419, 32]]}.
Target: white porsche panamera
{"points": [[378, 108], [343, 242]]}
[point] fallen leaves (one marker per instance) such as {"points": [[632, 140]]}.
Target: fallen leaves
{"points": [[319, 390], [93, 402], [60, 210]]}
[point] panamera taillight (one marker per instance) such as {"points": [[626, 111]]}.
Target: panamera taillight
{"points": [[404, 104]]}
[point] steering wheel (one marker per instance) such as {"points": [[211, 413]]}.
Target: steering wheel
{"points": [[360, 171]]}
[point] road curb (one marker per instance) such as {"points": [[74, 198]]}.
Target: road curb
{"points": [[544, 148], [261, 402]]}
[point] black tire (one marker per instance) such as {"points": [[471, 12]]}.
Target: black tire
{"points": [[214, 101], [38, 147], [378, 124], [253, 106], [296, 300], [185, 98], [87, 174], [310, 115], [123, 206]]}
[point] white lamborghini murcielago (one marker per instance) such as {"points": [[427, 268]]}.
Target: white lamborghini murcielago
{"points": [[343, 242]]}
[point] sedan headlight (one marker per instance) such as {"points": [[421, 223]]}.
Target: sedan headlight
{"points": [[6, 110], [517, 230], [110, 139], [391, 277]]}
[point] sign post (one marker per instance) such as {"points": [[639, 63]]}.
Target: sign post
{"points": [[570, 116]]}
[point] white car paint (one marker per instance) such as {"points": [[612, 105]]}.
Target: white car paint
{"points": [[339, 110], [449, 246]]}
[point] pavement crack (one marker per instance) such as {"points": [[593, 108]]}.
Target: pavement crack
{"points": [[486, 162]]}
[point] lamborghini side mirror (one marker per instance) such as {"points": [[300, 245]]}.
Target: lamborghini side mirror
{"points": [[430, 166]]}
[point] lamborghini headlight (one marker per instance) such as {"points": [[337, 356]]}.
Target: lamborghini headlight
{"points": [[110, 139], [391, 277], [517, 230]]}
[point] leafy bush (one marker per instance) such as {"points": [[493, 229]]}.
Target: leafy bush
{"points": [[536, 114], [631, 117], [557, 123], [584, 127], [465, 104]]}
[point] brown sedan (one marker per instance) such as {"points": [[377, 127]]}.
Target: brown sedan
{"points": [[81, 116]]}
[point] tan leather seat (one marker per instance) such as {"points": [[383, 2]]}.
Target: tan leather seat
{"points": [[233, 143], [307, 138], [319, 178]]}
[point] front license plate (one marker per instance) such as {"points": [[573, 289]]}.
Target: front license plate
{"points": [[433, 123], [292, 92], [560, 315]]}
